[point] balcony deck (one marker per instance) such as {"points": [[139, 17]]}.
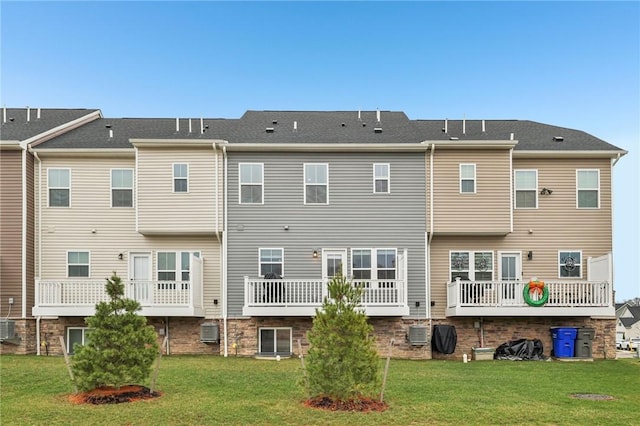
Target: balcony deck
{"points": [[505, 298], [301, 297], [157, 298]]}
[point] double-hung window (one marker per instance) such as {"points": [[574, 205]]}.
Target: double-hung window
{"points": [[316, 183], [122, 188], [251, 183], [174, 266], [381, 178], [271, 261], [467, 178], [569, 264], [180, 177], [378, 264], [526, 188], [78, 264], [588, 189], [361, 264], [59, 181]]}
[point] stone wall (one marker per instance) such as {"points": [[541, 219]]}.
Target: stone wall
{"points": [[26, 331]]}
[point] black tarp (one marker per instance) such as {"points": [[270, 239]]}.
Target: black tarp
{"points": [[444, 339], [521, 350]]}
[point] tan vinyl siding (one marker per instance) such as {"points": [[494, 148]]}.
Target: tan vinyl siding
{"points": [[11, 230], [555, 225], [487, 211], [162, 211], [71, 229]]}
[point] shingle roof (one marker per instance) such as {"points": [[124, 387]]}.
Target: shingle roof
{"points": [[312, 127], [530, 135], [17, 128], [97, 133]]}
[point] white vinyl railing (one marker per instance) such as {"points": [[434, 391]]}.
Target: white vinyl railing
{"points": [[262, 292], [510, 293], [88, 293]]}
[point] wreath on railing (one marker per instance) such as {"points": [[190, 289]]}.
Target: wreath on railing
{"points": [[535, 293]]}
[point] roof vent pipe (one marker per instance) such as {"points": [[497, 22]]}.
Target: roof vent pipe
{"points": [[189, 125], [177, 125], [110, 133], [483, 128], [464, 125], [378, 115], [201, 125], [359, 116], [511, 136], [295, 126], [28, 114], [4, 114], [38, 116], [446, 125]]}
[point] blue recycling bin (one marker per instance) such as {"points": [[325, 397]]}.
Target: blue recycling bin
{"points": [[563, 339]]}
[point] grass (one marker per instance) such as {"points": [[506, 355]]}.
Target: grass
{"points": [[204, 390]]}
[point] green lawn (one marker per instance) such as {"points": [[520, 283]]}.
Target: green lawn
{"points": [[203, 390]]}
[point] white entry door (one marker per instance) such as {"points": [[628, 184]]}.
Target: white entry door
{"points": [[140, 277], [510, 267], [334, 262]]}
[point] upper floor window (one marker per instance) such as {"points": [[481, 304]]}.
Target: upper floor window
{"points": [[526, 187], [316, 183], [381, 178], [77, 264], [251, 183], [180, 177], [122, 188], [59, 181], [471, 265], [271, 261], [467, 178], [588, 188], [569, 264]]}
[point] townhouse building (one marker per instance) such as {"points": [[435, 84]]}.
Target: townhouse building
{"points": [[227, 231], [20, 129]]}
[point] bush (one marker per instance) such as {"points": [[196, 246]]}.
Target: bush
{"points": [[121, 346], [343, 362]]}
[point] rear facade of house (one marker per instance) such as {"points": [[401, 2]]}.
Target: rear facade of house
{"points": [[227, 231]]}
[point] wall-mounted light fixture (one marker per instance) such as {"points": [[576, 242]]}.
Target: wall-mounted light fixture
{"points": [[546, 191], [530, 255], [120, 256], [286, 227], [315, 254]]}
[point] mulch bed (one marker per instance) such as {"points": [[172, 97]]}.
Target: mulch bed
{"points": [[360, 405], [110, 395]]}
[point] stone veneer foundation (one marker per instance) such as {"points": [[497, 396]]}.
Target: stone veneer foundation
{"points": [[184, 334]]}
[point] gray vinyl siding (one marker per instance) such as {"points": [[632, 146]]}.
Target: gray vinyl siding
{"points": [[354, 218]]}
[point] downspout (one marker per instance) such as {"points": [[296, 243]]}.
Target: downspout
{"points": [[511, 189], [23, 271], [224, 254], [39, 247], [428, 289], [216, 186]]}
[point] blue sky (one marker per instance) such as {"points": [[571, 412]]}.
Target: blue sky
{"points": [[572, 64]]}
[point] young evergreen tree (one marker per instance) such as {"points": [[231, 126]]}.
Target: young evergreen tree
{"points": [[121, 346], [343, 362]]}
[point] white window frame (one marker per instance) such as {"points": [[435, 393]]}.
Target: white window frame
{"points": [[471, 267], [275, 337], [122, 188], [386, 177], [50, 187], [464, 178], [371, 263], [281, 263], [179, 270], [579, 188], [88, 264], [241, 183], [176, 178], [84, 330], [325, 184], [373, 252], [533, 188], [562, 264]]}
